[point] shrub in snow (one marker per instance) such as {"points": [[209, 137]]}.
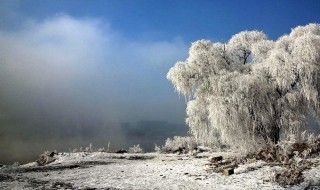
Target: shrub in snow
{"points": [[251, 90], [289, 150], [108, 147], [179, 144], [135, 149], [289, 176], [90, 148], [157, 148], [292, 154]]}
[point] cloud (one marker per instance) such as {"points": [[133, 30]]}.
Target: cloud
{"points": [[62, 75], [52, 61], [67, 58]]}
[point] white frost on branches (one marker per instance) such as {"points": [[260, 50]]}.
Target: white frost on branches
{"points": [[250, 90]]}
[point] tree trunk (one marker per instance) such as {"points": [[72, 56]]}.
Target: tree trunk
{"points": [[275, 134]]}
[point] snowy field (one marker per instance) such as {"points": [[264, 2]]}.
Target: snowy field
{"points": [[102, 170]]}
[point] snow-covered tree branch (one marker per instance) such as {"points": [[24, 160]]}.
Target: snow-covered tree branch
{"points": [[250, 90]]}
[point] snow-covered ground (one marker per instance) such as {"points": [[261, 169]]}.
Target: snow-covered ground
{"points": [[101, 170]]}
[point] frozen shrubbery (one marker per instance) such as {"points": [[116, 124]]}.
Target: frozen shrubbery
{"points": [[135, 149], [157, 148], [290, 149], [90, 148], [293, 155], [179, 144]]}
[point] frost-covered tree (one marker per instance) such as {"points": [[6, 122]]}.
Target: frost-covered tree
{"points": [[250, 90]]}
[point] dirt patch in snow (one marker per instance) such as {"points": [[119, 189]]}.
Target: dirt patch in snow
{"points": [[5, 177]]}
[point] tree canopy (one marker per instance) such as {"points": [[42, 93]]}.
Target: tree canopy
{"points": [[250, 90]]}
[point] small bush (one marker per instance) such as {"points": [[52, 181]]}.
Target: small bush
{"points": [[179, 145], [101, 149], [135, 149], [290, 176], [293, 154], [287, 150], [90, 148], [157, 148]]}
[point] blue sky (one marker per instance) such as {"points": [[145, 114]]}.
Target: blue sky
{"points": [[105, 61], [167, 19]]}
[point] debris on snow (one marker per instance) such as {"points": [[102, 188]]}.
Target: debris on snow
{"points": [[121, 151], [46, 158], [228, 171]]}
